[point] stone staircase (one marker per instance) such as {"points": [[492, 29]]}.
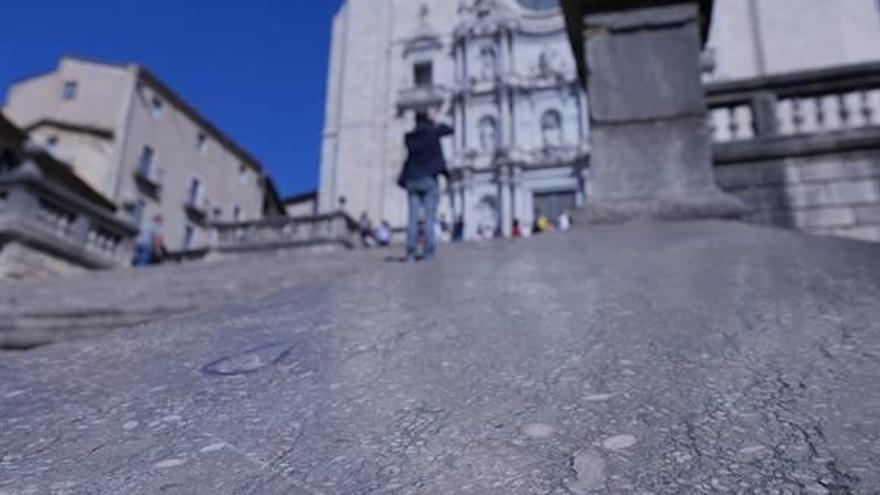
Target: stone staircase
{"points": [[38, 312]]}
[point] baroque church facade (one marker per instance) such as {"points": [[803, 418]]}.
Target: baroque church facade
{"points": [[501, 72], [521, 142]]}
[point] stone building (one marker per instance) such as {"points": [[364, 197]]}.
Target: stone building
{"points": [[302, 205], [139, 144], [502, 72]]}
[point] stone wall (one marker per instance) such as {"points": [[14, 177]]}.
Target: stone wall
{"points": [[21, 261], [826, 185], [753, 38]]}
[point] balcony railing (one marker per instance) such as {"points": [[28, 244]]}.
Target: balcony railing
{"points": [[803, 103], [197, 211], [150, 185], [420, 97], [334, 229]]}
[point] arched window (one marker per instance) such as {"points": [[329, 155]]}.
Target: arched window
{"points": [[488, 133], [551, 128], [488, 62], [540, 5]]}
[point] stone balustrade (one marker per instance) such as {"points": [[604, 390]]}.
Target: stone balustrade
{"points": [[420, 97], [803, 149], [802, 103], [47, 220], [326, 230]]}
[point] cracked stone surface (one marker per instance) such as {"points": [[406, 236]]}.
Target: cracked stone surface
{"points": [[693, 358]]}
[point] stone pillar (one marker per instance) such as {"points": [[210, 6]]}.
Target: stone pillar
{"points": [[460, 130], [650, 147], [467, 201], [503, 61], [583, 186], [505, 207], [504, 124], [583, 116], [80, 229], [520, 211]]}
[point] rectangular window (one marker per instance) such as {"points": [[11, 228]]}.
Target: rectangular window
{"points": [[70, 90], [194, 193], [202, 142], [423, 74], [188, 234], [156, 106], [236, 214], [242, 174], [145, 165]]}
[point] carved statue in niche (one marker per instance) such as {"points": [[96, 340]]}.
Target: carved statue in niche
{"points": [[551, 129], [424, 22], [488, 63], [487, 214], [488, 134], [548, 65]]}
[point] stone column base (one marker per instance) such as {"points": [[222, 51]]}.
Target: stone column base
{"points": [[713, 204]]}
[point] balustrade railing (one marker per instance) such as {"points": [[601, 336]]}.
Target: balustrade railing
{"points": [[274, 233], [802, 103], [48, 218], [55, 220]]}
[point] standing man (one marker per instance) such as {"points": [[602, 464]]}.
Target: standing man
{"points": [[424, 164]]}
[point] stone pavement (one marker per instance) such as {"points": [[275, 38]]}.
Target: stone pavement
{"points": [[654, 359]]}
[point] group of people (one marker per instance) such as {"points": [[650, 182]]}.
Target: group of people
{"points": [[149, 248], [372, 237], [381, 236], [544, 224]]}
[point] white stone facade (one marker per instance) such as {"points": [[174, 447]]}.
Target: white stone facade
{"points": [[503, 73]]}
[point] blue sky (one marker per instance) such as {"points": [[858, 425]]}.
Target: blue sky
{"points": [[256, 68]]}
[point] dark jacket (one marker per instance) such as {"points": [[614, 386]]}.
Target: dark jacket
{"points": [[425, 155]]}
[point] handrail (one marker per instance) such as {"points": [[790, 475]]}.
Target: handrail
{"points": [[47, 218]]}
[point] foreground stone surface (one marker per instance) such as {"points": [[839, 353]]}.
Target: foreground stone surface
{"points": [[663, 359]]}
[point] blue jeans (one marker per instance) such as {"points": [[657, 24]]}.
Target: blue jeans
{"points": [[424, 195], [143, 254]]}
